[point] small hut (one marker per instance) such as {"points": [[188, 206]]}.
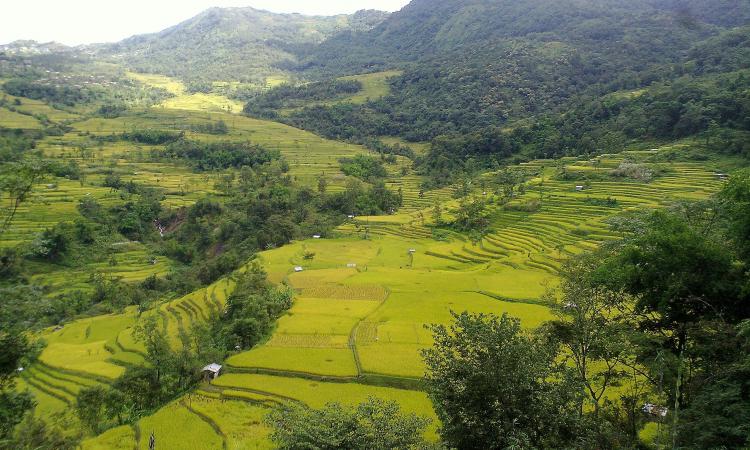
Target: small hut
{"points": [[579, 188], [351, 265], [316, 236], [298, 269], [211, 372], [655, 410]]}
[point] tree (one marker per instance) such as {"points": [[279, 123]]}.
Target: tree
{"points": [[322, 184], [91, 407], [471, 215], [372, 425], [437, 214], [13, 404], [594, 328], [495, 387], [683, 277], [157, 346], [591, 325], [718, 415], [17, 180], [36, 434], [508, 179], [735, 201]]}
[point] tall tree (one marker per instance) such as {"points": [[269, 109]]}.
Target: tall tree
{"points": [[495, 386]]}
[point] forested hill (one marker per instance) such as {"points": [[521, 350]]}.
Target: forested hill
{"points": [[471, 64], [567, 77], [426, 28], [241, 44]]}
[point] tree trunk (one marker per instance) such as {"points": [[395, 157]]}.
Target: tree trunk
{"points": [[678, 384]]}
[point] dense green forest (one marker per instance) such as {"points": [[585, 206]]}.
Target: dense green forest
{"points": [[599, 77]]}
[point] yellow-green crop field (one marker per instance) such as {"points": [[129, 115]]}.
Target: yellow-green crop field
{"points": [[374, 86], [363, 301], [12, 119], [38, 107]]}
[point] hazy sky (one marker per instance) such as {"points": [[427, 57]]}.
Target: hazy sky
{"points": [[75, 22]]}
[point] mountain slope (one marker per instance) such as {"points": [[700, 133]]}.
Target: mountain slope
{"points": [[233, 43], [427, 28], [472, 64]]}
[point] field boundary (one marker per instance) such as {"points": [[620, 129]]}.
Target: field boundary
{"points": [[208, 421], [528, 301]]}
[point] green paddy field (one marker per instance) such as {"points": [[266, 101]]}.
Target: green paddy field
{"points": [[362, 303]]}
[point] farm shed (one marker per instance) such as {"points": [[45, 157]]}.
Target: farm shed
{"points": [[655, 410], [298, 269], [211, 371]]}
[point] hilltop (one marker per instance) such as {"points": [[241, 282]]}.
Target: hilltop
{"points": [[242, 44]]}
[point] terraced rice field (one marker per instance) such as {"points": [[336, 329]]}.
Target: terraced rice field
{"points": [[331, 335], [12, 119], [38, 107], [97, 350], [308, 155], [358, 322]]}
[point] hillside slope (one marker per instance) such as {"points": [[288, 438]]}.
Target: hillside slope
{"points": [[429, 28], [242, 44]]}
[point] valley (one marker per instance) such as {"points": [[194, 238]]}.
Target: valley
{"points": [[322, 227]]}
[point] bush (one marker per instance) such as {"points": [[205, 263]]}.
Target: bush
{"points": [[363, 167], [152, 136], [372, 425], [633, 171], [204, 156], [529, 206]]}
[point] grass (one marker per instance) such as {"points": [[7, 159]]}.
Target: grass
{"points": [[374, 86], [317, 361], [175, 427], [309, 156], [89, 358], [241, 423], [316, 393], [11, 119], [46, 405], [119, 438], [38, 107]]}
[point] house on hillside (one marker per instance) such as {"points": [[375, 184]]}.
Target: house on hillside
{"points": [[211, 372], [298, 269]]}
